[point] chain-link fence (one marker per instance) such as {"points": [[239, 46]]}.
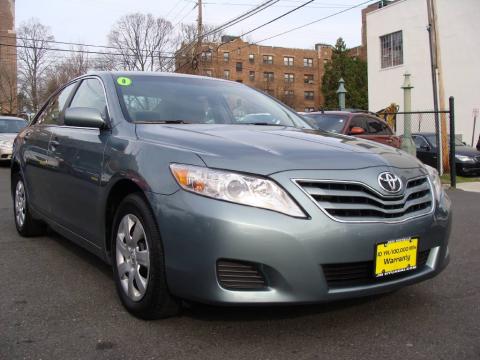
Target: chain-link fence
{"points": [[431, 130]]}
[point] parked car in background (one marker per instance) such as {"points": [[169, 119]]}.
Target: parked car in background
{"points": [[156, 175], [361, 124], [9, 128], [467, 158]]}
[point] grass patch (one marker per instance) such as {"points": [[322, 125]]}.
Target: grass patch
{"points": [[460, 179]]}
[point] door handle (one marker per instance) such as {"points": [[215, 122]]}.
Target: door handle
{"points": [[54, 143]]}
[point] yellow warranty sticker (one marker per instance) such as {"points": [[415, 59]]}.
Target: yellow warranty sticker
{"points": [[396, 256]]}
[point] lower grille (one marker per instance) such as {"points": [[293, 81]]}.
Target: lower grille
{"points": [[240, 275], [362, 273]]}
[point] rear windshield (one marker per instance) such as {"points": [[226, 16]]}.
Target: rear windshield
{"points": [[199, 101], [11, 126], [328, 122]]}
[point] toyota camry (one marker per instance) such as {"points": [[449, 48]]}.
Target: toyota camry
{"points": [[207, 190]]}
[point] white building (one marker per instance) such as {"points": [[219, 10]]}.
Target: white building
{"points": [[401, 29]]}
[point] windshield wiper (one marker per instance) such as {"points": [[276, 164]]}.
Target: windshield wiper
{"points": [[262, 123], [163, 122]]}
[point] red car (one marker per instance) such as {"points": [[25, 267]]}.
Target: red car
{"points": [[362, 124]]}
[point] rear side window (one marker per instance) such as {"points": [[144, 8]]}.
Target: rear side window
{"points": [[377, 127], [51, 113], [90, 95]]}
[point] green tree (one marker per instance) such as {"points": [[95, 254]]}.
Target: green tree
{"points": [[353, 71]]}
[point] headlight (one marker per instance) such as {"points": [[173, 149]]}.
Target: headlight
{"points": [[6, 143], [436, 182], [236, 188], [464, 158]]}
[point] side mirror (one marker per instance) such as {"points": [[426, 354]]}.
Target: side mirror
{"points": [[84, 117], [356, 131], [425, 147]]}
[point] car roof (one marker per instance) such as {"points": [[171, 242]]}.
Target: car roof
{"points": [[11, 118], [151, 74]]}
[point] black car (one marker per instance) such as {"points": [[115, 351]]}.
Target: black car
{"points": [[467, 158]]}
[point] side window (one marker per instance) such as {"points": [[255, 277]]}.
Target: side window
{"points": [[51, 113], [419, 141], [377, 127], [357, 121], [90, 94]]}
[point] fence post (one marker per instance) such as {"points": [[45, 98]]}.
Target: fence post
{"points": [[341, 94], [407, 142], [453, 168]]}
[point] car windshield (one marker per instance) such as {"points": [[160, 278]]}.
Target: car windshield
{"points": [[432, 140], [157, 99], [328, 122], [11, 126]]}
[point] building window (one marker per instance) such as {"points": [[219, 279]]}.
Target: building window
{"points": [[288, 61], [238, 66], [268, 76], [391, 46], [270, 92], [251, 58], [308, 95], [206, 56], [308, 78], [309, 109], [226, 74], [289, 78], [208, 73], [226, 57], [308, 62], [288, 93], [268, 59], [251, 75]]}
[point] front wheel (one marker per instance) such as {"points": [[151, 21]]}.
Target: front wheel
{"points": [[138, 262], [26, 225]]}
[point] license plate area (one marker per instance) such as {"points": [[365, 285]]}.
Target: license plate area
{"points": [[395, 256]]}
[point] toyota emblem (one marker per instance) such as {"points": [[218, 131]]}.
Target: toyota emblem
{"points": [[389, 182]]}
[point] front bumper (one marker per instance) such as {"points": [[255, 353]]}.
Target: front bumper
{"points": [[198, 231], [468, 168], [5, 153]]}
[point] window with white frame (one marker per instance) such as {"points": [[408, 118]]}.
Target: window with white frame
{"points": [[391, 47]]}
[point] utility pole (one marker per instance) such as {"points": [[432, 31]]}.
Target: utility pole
{"points": [[198, 47]]}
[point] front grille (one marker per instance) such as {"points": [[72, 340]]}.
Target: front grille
{"points": [[350, 201], [240, 275], [477, 158], [362, 273]]}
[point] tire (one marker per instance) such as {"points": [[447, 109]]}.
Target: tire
{"points": [[26, 225], [138, 262]]}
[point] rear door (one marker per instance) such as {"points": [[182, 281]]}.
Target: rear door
{"points": [[76, 179], [36, 153]]}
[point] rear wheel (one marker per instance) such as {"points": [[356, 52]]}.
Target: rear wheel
{"points": [[26, 225], [138, 261]]}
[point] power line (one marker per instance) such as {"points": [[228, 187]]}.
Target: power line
{"points": [[313, 22], [74, 51], [277, 6]]}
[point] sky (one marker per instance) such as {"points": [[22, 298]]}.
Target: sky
{"points": [[89, 21]]}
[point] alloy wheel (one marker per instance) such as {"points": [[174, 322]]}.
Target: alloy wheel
{"points": [[132, 257], [20, 204]]}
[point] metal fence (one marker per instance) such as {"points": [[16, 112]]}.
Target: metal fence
{"points": [[440, 127]]}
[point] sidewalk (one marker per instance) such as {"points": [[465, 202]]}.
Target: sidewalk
{"points": [[469, 186]]}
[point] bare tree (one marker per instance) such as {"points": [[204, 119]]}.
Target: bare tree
{"points": [[189, 34], [141, 41], [71, 67], [32, 42], [8, 91]]}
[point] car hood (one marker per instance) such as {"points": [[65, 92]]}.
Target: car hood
{"points": [[466, 151], [8, 137], [269, 149]]}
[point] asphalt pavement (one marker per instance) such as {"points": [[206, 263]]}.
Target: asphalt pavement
{"points": [[57, 301]]}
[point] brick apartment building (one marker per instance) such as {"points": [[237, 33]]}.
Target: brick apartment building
{"points": [[8, 58], [294, 76]]}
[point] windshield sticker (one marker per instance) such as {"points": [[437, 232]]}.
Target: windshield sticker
{"points": [[124, 81]]}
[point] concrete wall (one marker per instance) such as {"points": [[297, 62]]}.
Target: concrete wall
{"points": [[459, 36]]}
